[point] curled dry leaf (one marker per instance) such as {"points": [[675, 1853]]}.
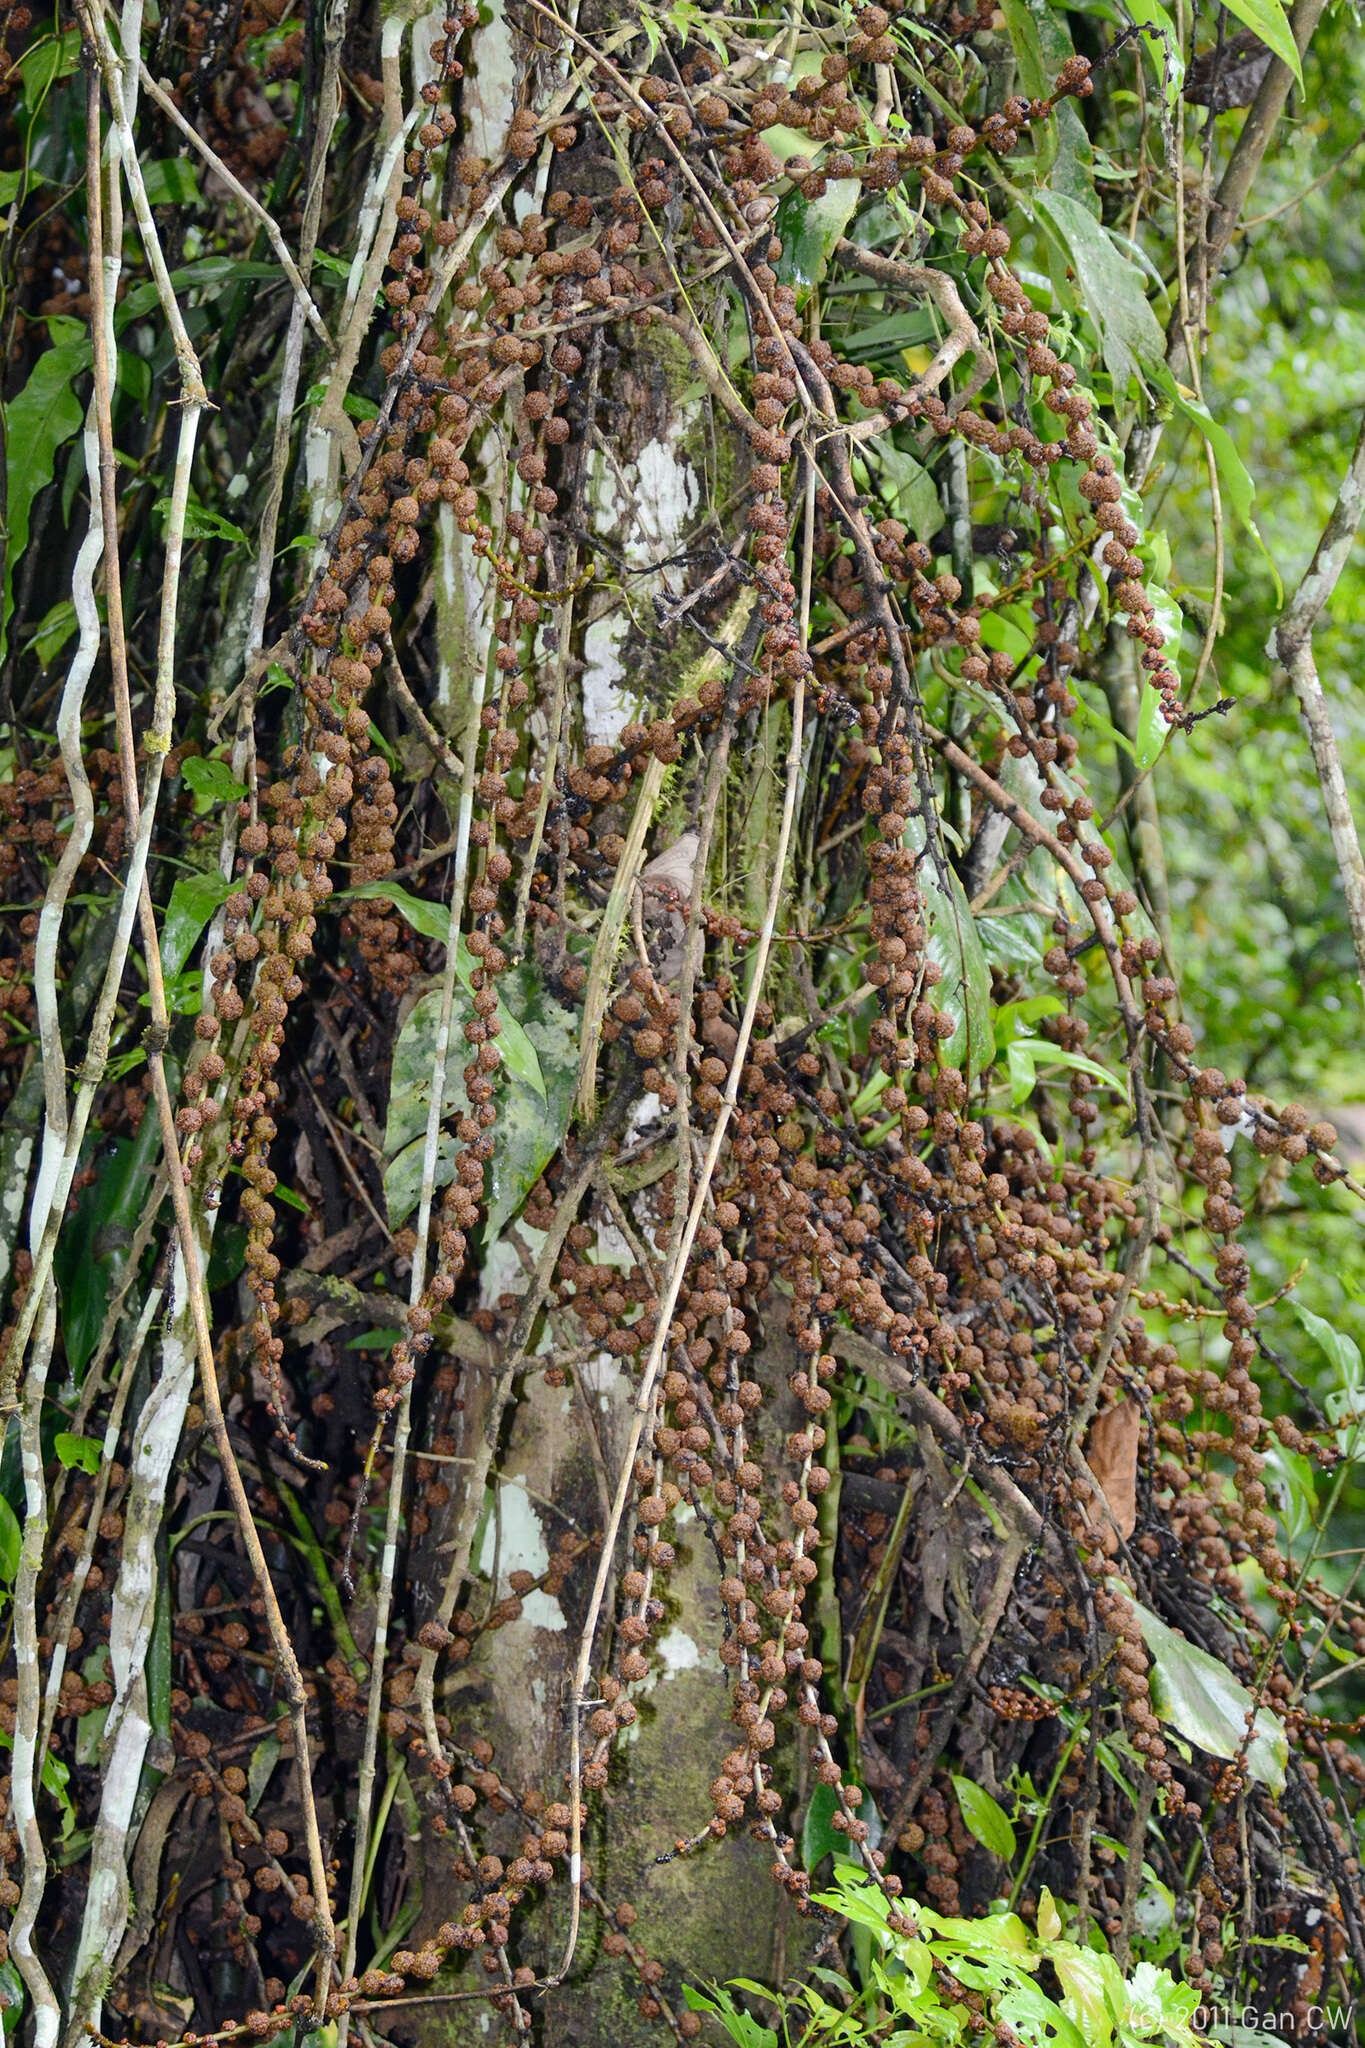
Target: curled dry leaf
{"points": [[1112, 1457]]}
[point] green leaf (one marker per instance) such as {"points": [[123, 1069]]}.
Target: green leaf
{"points": [[529, 1133], [375, 1340], [171, 181], [1062, 149], [742, 2029], [1037, 2019], [260, 1770], [819, 1839], [815, 226], [227, 1256], [403, 1176], [1025, 1055], [1234, 479], [56, 1776], [955, 945], [45, 62], [210, 274], [432, 920], [912, 494], [39, 420], [133, 374], [1291, 1482], [1162, 49], [1202, 1700], [82, 1453], [194, 899], [212, 779], [52, 631], [11, 1542], [201, 524], [1266, 18], [1153, 2001], [1082, 1975], [11, 1997], [1345, 1400], [1152, 729], [96, 1234], [1343, 1351], [985, 1818], [538, 1076], [1110, 284]]}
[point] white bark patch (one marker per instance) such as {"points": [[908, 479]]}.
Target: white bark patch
{"points": [[606, 707], [678, 1652], [514, 1540], [648, 504], [667, 497]]}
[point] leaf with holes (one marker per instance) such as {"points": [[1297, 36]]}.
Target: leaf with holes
{"points": [[78, 1453]]}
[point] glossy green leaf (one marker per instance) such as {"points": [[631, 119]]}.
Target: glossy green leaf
{"points": [[985, 1818], [1152, 729], [11, 1541], [1162, 48], [94, 1241], [1200, 1698], [1063, 154], [1154, 2003], [11, 1997], [739, 2026], [260, 1770], [1026, 1055], [1268, 20], [227, 1256], [809, 228], [53, 631], [911, 492], [194, 898], [1291, 1480], [56, 1778], [820, 1839], [1342, 1349], [431, 920], [403, 1176], [41, 417], [1083, 1977]]}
